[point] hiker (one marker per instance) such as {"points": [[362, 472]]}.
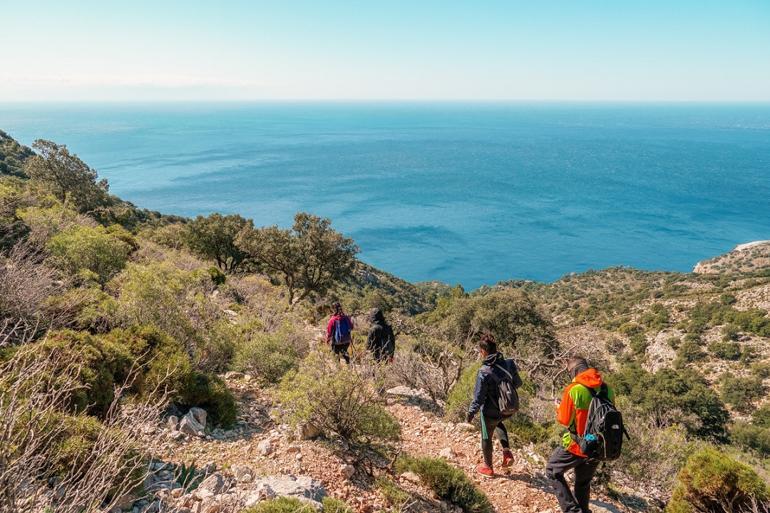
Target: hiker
{"points": [[381, 341], [572, 413], [339, 332], [496, 399]]}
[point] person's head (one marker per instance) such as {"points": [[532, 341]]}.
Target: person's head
{"points": [[487, 344], [376, 315], [337, 307], [576, 365]]}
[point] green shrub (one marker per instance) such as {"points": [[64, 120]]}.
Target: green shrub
{"points": [[523, 430], [461, 394], [689, 352], [105, 364], [395, 496], [448, 482], [638, 343], [674, 396], [267, 356], [726, 350], [162, 359], [657, 318], [711, 481], [741, 393], [339, 400], [99, 250], [761, 416], [210, 393], [753, 437], [281, 505], [332, 505]]}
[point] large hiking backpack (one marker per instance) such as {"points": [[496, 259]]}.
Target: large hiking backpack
{"points": [[342, 329], [507, 396], [603, 437]]}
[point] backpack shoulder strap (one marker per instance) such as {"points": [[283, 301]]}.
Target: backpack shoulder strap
{"points": [[510, 376]]}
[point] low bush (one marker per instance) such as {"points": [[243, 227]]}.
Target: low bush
{"points": [[689, 351], [725, 350], [741, 393], [102, 251], [210, 393], [711, 481], [448, 482], [332, 505], [395, 496], [103, 362], [672, 396], [752, 437], [268, 356], [461, 394], [339, 400], [281, 505]]}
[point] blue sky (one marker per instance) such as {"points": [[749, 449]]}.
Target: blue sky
{"points": [[389, 49]]}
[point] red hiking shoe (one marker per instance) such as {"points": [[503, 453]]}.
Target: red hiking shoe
{"points": [[507, 458], [485, 471]]}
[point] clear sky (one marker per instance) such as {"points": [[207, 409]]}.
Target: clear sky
{"points": [[645, 50]]}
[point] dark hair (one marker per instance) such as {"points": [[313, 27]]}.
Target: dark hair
{"points": [[487, 343], [576, 365], [337, 307]]}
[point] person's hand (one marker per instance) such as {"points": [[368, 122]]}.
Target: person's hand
{"points": [[468, 417]]}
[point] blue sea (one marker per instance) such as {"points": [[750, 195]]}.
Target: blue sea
{"points": [[469, 193]]}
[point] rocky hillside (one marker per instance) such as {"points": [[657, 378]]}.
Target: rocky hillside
{"points": [[170, 364]]}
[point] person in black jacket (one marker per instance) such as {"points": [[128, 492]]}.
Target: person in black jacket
{"points": [[485, 400], [381, 341]]}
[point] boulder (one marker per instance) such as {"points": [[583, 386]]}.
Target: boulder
{"points": [[194, 422], [300, 487], [199, 414], [213, 485], [234, 375], [172, 422], [447, 453], [347, 470], [465, 426], [308, 431], [243, 474], [410, 477], [265, 447]]}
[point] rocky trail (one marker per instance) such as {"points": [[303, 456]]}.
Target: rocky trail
{"points": [[259, 459]]}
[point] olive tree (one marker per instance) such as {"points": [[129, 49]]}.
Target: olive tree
{"points": [[70, 179], [308, 258], [214, 237]]}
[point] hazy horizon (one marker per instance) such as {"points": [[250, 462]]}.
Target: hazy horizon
{"points": [[298, 50]]}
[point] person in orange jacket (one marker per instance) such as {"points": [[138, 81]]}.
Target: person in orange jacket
{"points": [[572, 413]]}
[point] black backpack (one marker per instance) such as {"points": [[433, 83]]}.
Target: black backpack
{"points": [[507, 396], [603, 437]]}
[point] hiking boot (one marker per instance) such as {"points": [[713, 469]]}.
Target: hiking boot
{"points": [[485, 471], [507, 458]]}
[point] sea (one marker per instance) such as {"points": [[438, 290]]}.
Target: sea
{"points": [[468, 193]]}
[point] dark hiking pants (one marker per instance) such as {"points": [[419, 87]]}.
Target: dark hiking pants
{"points": [[341, 350], [558, 464], [491, 425]]}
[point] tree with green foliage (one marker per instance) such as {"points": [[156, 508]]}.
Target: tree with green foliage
{"points": [[214, 237], [70, 179], [671, 397], [308, 259]]}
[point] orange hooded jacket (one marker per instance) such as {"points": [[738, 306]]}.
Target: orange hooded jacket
{"points": [[572, 412]]}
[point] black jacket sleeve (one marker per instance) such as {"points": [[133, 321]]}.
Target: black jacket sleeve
{"points": [[514, 370], [479, 393]]}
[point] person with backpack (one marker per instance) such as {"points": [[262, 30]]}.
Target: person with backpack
{"points": [[381, 341], [594, 433], [496, 399], [339, 332]]}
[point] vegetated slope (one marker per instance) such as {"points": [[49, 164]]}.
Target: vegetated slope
{"points": [[745, 258], [113, 288]]}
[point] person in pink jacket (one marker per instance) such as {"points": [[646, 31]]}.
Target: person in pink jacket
{"points": [[339, 332]]}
